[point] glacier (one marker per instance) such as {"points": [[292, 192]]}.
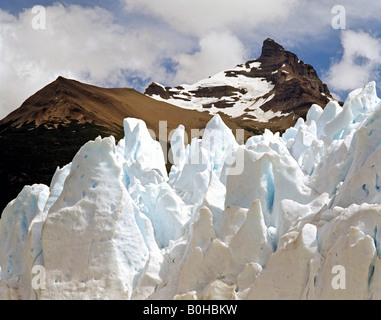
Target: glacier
{"points": [[273, 218]]}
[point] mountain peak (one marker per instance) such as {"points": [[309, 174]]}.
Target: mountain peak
{"points": [[63, 80], [271, 44], [273, 52], [60, 78]]}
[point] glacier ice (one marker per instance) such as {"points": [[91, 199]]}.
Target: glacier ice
{"points": [[114, 225]]}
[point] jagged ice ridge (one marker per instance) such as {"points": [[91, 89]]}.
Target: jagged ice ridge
{"points": [[265, 220]]}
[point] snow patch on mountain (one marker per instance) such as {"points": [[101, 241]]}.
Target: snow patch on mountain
{"points": [[270, 219]]}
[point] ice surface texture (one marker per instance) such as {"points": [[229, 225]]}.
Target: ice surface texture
{"points": [[271, 219]]}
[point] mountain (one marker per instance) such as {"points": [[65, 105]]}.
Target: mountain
{"points": [[65, 101], [272, 91], [283, 216]]}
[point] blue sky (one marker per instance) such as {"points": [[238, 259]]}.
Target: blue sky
{"points": [[130, 43]]}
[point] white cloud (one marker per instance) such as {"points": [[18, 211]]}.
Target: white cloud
{"points": [[292, 21], [218, 51], [197, 17], [81, 43], [359, 63]]}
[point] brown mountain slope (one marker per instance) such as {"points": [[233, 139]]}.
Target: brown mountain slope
{"points": [[65, 100]]}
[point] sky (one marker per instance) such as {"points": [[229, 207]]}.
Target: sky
{"points": [[131, 43]]}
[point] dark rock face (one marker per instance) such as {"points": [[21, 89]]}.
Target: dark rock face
{"points": [[295, 87], [30, 154], [218, 91], [156, 89]]}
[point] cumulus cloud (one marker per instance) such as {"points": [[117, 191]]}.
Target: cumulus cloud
{"points": [[290, 20], [359, 63], [218, 51], [198, 16]]}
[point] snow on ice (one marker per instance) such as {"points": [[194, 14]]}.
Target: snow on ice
{"points": [[113, 224]]}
